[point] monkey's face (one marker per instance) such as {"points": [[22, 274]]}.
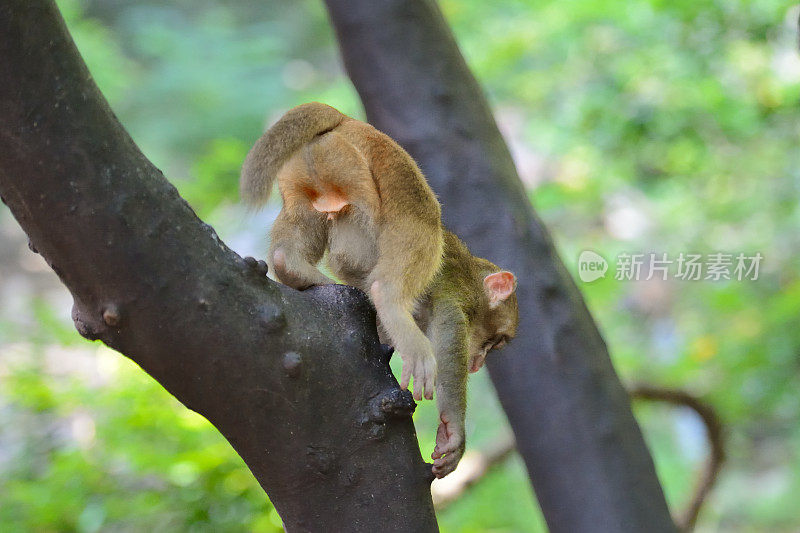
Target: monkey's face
{"points": [[476, 361], [498, 325]]}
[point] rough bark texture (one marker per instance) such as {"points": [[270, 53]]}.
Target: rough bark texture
{"points": [[297, 382], [584, 451]]}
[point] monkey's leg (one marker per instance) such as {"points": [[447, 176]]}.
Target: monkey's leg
{"points": [[298, 243], [409, 342], [448, 333], [352, 247]]}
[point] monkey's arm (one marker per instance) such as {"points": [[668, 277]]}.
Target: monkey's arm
{"points": [[411, 344], [448, 333]]}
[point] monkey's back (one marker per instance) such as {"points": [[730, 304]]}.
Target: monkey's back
{"points": [[355, 164], [409, 210]]}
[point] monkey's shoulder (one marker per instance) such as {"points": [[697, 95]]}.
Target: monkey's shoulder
{"points": [[459, 279]]}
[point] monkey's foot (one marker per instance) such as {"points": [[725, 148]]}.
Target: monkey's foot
{"points": [[292, 277], [423, 370], [449, 446]]}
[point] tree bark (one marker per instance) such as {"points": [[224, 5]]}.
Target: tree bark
{"points": [[571, 416], [296, 381]]}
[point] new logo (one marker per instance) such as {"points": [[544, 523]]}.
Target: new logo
{"points": [[591, 266]]}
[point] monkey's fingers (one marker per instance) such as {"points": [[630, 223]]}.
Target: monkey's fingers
{"points": [[405, 374], [430, 378], [424, 377], [418, 385], [441, 437], [297, 278], [449, 437], [445, 465]]}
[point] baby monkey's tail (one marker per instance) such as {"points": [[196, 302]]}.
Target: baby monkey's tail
{"points": [[294, 129]]}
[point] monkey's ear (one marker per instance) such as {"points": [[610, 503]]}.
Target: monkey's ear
{"points": [[499, 286]]}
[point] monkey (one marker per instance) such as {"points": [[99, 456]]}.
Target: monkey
{"points": [[353, 192]]}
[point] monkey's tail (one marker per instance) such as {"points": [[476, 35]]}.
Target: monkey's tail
{"points": [[294, 129]]}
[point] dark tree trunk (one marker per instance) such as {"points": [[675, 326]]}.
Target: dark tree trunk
{"points": [[584, 451], [297, 382]]}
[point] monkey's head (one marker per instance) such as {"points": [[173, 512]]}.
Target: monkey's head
{"points": [[498, 325]]}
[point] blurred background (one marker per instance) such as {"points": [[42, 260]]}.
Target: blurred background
{"points": [[639, 126]]}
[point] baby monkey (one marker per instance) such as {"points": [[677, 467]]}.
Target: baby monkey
{"points": [[351, 190]]}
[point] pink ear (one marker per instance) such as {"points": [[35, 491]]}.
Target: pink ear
{"points": [[499, 286]]}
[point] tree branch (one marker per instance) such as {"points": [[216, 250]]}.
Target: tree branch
{"points": [[297, 382], [475, 466], [571, 416], [687, 518]]}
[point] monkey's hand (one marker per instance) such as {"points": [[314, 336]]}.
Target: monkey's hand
{"points": [[420, 365], [449, 445]]}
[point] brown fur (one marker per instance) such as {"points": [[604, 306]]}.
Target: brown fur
{"points": [[350, 190]]}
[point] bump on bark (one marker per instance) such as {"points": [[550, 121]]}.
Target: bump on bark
{"points": [[259, 266], [392, 403], [398, 403], [111, 316], [85, 327]]}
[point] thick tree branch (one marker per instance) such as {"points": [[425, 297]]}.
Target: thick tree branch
{"points": [[571, 416], [297, 382]]}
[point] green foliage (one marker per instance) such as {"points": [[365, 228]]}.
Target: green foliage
{"points": [[109, 449], [684, 113], [639, 126]]}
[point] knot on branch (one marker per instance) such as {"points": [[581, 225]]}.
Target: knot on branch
{"points": [[292, 364], [111, 316], [87, 328], [389, 404], [256, 265], [392, 403], [91, 325]]}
